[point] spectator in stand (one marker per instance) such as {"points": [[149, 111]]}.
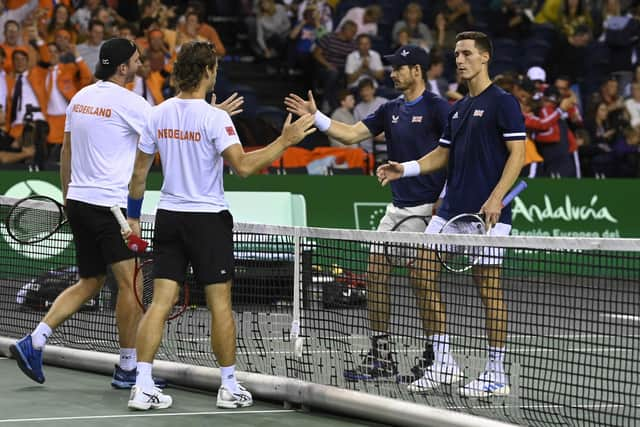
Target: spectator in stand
{"points": [[60, 81], [90, 49], [363, 63], [148, 84], [556, 144], [13, 40], [633, 106], [302, 39], [127, 31], [160, 57], [402, 38], [365, 18], [82, 16], [61, 20], [507, 19], [19, 14], [538, 77], [188, 32], [418, 32], [619, 33], [455, 17], [331, 53], [201, 27], [24, 87], [368, 104], [436, 83], [324, 10], [272, 31], [109, 18], [11, 150], [344, 114], [576, 29], [609, 95]]}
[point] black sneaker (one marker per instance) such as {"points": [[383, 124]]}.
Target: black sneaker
{"points": [[372, 368], [418, 370]]}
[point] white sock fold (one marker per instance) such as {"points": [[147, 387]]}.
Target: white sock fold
{"points": [[229, 381], [40, 335], [441, 349], [128, 358], [144, 380], [496, 359]]}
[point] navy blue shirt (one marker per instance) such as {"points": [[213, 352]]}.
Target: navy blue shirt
{"points": [[412, 130], [476, 134]]}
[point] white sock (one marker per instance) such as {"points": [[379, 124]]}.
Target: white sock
{"points": [[228, 374], [128, 358], [40, 335], [441, 349], [496, 360], [144, 380]]}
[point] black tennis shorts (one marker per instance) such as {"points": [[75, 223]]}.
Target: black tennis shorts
{"points": [[202, 239], [97, 237]]}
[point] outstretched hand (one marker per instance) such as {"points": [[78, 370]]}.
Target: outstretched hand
{"points": [[232, 105], [299, 106], [389, 172], [295, 132]]}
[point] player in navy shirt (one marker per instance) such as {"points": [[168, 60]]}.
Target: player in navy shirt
{"points": [[483, 148], [412, 125]]}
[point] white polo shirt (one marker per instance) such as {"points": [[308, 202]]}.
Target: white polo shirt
{"points": [[105, 121], [191, 136]]}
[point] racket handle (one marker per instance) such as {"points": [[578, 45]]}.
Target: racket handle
{"points": [[135, 243], [124, 225], [519, 188]]}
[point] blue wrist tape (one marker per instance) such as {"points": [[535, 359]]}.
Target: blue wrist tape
{"points": [[134, 207]]}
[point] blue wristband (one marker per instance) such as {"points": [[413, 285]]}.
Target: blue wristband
{"points": [[134, 207]]}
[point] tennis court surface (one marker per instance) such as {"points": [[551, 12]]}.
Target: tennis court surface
{"points": [[572, 341]]}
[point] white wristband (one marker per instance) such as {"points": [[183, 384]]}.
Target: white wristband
{"points": [[411, 168], [322, 122]]}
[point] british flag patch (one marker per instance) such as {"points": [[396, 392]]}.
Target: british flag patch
{"points": [[416, 119], [230, 130]]}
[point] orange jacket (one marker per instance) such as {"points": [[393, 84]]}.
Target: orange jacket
{"points": [[41, 54], [35, 79], [71, 78], [154, 81]]}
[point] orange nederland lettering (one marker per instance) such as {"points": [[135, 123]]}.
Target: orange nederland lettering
{"points": [[179, 134], [91, 110]]}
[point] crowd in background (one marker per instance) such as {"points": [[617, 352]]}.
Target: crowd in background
{"points": [[573, 64]]}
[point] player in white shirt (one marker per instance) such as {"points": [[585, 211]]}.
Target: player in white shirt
{"points": [[193, 223], [103, 124]]}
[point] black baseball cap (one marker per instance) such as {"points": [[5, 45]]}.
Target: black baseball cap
{"points": [[409, 55], [113, 52]]}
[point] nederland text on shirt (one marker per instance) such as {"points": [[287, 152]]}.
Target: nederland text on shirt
{"points": [[179, 134], [91, 110]]}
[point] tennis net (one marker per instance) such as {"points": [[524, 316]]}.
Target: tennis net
{"points": [[300, 301]]}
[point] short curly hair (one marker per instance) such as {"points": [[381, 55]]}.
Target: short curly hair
{"points": [[194, 58]]}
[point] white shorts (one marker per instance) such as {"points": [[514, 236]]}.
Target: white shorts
{"points": [[490, 256], [394, 215]]}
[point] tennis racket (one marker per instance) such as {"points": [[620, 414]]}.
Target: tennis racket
{"points": [[34, 219], [143, 274], [461, 258], [403, 254]]}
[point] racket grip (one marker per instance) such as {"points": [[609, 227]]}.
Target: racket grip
{"points": [[124, 225], [519, 188]]}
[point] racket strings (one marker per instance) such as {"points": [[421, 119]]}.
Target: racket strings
{"points": [[32, 222], [145, 287]]}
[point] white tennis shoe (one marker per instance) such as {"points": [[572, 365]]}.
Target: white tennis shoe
{"points": [[488, 384], [228, 400], [435, 376], [143, 401]]}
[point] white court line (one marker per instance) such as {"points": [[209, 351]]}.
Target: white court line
{"points": [[167, 414], [621, 317]]}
